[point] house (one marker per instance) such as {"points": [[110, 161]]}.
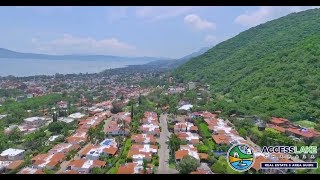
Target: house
{"points": [[279, 121], [62, 105], [93, 152], [143, 139], [64, 148], [185, 108], [186, 150], [12, 154], [35, 121], [14, 165], [48, 161], [84, 166], [306, 134], [134, 168], [80, 137], [139, 152], [29, 170], [65, 119], [77, 115], [113, 128], [191, 85], [185, 127], [190, 138], [150, 129]]}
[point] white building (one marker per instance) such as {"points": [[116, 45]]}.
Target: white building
{"points": [[12, 154], [66, 119], [76, 115], [191, 85]]}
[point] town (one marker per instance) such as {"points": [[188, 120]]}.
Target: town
{"points": [[129, 123]]}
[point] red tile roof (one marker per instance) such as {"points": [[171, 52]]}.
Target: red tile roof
{"points": [[221, 139], [307, 134], [127, 168]]}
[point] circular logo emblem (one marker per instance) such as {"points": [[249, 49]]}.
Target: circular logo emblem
{"points": [[240, 157]]}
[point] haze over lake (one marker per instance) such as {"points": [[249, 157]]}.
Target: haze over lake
{"points": [[29, 67]]}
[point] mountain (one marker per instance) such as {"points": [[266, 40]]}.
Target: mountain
{"points": [[272, 69], [171, 64], [5, 53]]}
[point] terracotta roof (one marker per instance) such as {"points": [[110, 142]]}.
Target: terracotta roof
{"points": [[48, 159], [221, 139], [127, 168], [181, 153], [308, 134], [80, 162], [15, 164], [194, 128], [111, 150], [28, 170], [257, 162], [275, 120], [87, 149], [203, 155]]}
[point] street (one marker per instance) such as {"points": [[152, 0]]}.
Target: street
{"points": [[164, 149]]}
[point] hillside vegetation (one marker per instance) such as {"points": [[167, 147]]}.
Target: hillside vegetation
{"points": [[270, 70]]}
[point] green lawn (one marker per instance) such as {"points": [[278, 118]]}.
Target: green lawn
{"points": [[272, 130], [305, 123]]}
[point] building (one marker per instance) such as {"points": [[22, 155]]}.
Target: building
{"points": [[189, 150], [64, 148], [107, 147], [12, 155], [29, 170], [14, 165], [150, 129], [62, 105], [134, 168], [48, 161], [185, 127], [191, 85], [65, 119], [84, 166], [80, 137], [77, 115], [143, 139], [35, 121]]}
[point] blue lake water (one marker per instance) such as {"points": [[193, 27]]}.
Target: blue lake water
{"points": [[29, 67]]}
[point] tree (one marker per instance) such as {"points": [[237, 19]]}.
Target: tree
{"points": [[144, 165], [174, 143], [188, 164], [220, 166], [243, 132], [132, 111]]}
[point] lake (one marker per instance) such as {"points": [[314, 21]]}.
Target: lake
{"points": [[29, 67]]}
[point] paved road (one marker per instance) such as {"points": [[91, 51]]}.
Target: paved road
{"points": [[164, 149]]}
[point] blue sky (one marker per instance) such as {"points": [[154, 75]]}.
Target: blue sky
{"points": [[127, 31]]}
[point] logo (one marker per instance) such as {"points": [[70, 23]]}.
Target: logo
{"points": [[240, 157]]}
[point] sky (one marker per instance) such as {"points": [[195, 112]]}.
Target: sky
{"points": [[168, 31]]}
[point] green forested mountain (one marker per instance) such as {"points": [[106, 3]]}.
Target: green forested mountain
{"points": [[270, 70]]}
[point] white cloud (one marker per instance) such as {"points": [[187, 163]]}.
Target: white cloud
{"points": [[69, 44], [159, 13], [198, 23], [267, 13], [210, 39]]}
